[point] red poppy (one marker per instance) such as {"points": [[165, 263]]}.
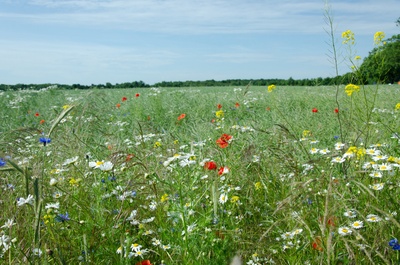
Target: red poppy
{"points": [[226, 137], [223, 141], [237, 105], [129, 157], [219, 106], [223, 170], [317, 244], [42, 121], [118, 105], [210, 165], [124, 99], [137, 95], [182, 116], [331, 221], [37, 114], [315, 110], [268, 108], [144, 262], [336, 110]]}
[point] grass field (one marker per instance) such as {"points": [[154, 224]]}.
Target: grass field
{"points": [[297, 175]]}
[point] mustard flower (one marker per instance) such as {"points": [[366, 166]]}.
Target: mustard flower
{"points": [[271, 88], [164, 197], [219, 113], [257, 185], [357, 57], [378, 37], [348, 36], [235, 199], [397, 107], [350, 88]]}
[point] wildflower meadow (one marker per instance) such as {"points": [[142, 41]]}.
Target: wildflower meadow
{"points": [[275, 175]]}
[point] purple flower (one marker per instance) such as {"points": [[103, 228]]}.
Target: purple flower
{"points": [[2, 162], [62, 217]]}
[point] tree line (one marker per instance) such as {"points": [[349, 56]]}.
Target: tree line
{"points": [[205, 83]]}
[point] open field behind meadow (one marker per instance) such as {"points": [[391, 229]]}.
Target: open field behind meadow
{"points": [[289, 175]]}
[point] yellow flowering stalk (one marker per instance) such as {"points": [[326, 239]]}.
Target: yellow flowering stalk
{"points": [[378, 38], [271, 88], [361, 152], [350, 88], [397, 107], [348, 36]]}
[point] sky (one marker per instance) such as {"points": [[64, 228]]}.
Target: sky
{"points": [[97, 41]]}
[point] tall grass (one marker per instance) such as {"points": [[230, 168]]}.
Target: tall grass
{"points": [[278, 202]]}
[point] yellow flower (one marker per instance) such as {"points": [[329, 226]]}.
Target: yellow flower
{"points": [[219, 113], [74, 182], [358, 57], [234, 199], [397, 107], [257, 185], [348, 36], [378, 37], [361, 152], [350, 88], [157, 144], [306, 133], [66, 107], [271, 88], [164, 198]]}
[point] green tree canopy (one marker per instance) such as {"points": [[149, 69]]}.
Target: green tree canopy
{"points": [[383, 63]]}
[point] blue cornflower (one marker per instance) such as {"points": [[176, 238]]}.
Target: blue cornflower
{"points": [[62, 217], [44, 140], [2, 162], [394, 244]]}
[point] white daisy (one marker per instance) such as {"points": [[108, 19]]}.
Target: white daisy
{"points": [[357, 224], [350, 214], [377, 186], [373, 218], [338, 159], [28, 200], [344, 231], [223, 198]]}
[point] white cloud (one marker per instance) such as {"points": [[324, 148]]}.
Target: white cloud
{"points": [[208, 16]]}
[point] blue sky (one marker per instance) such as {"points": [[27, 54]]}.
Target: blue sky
{"points": [[116, 41]]}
